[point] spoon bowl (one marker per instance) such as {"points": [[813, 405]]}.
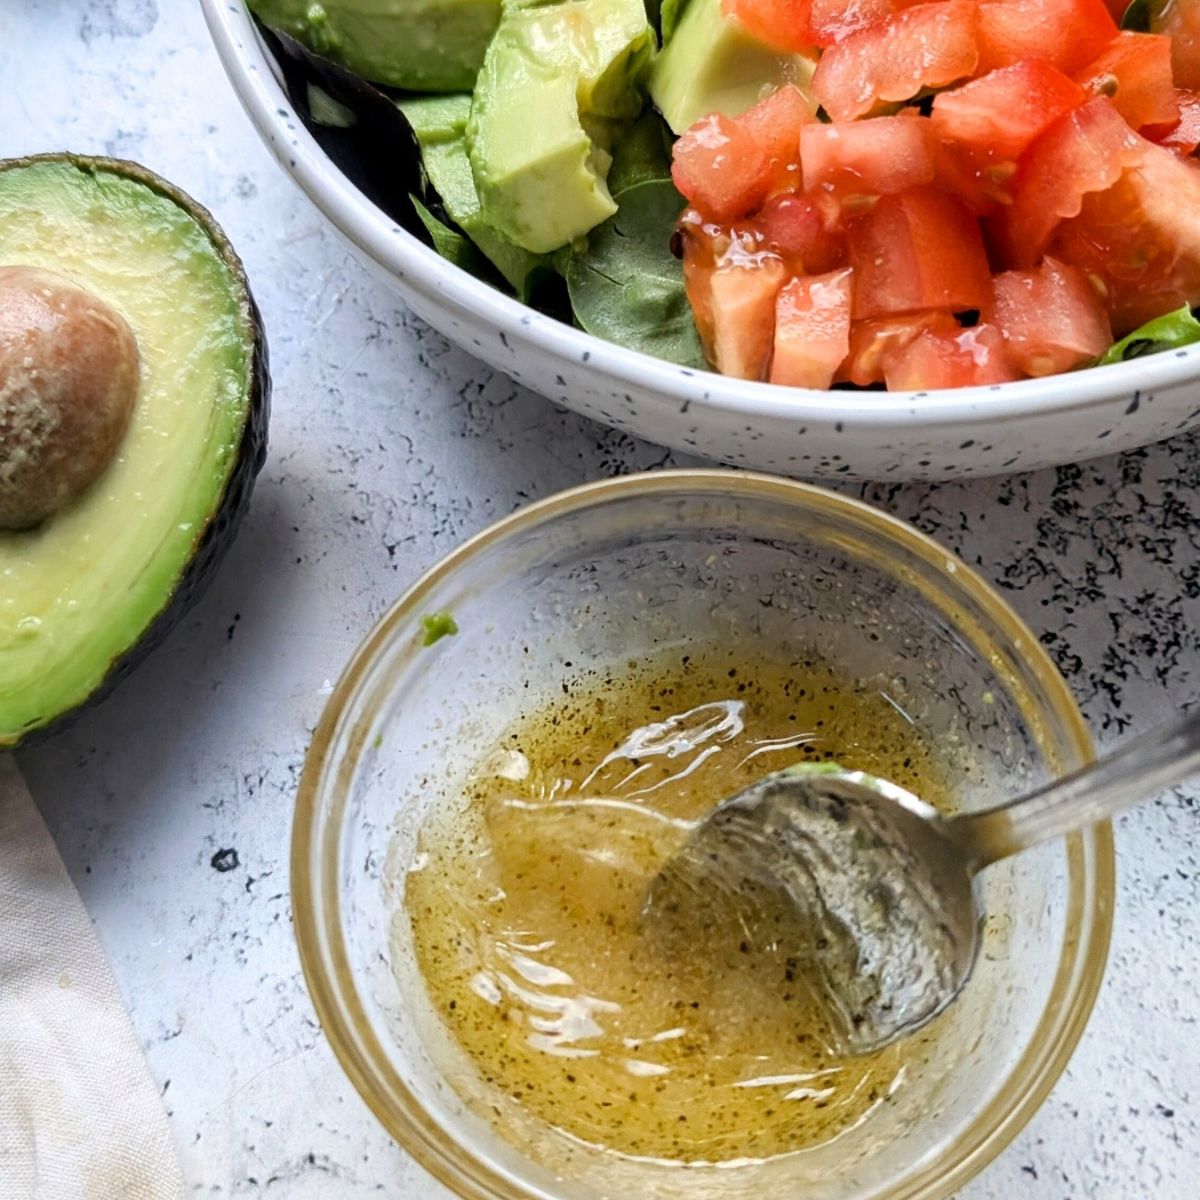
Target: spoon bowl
{"points": [[873, 873], [881, 880]]}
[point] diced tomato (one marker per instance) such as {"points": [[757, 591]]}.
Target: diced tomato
{"points": [[698, 268], [979, 183], [943, 359], [803, 233], [775, 123], [727, 166], [1181, 20], [776, 120], [833, 20], [866, 158], [919, 250], [779, 23], [721, 167], [1135, 71], [1183, 136], [812, 330], [1052, 318], [1000, 113], [743, 316], [930, 45], [820, 251], [1085, 151], [1140, 239], [1066, 33], [873, 344], [984, 126]]}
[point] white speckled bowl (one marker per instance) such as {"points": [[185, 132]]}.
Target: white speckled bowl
{"points": [[902, 435]]}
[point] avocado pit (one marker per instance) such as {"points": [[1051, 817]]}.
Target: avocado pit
{"points": [[69, 372]]}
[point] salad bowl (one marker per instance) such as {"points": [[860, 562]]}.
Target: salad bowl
{"points": [[932, 435]]}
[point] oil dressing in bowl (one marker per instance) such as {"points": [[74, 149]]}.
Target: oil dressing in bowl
{"points": [[526, 914]]}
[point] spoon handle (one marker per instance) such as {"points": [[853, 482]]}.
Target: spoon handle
{"points": [[1141, 768]]}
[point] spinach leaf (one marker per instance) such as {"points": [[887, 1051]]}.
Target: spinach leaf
{"points": [[1139, 15], [626, 286], [376, 150], [1168, 332], [641, 152], [451, 244]]}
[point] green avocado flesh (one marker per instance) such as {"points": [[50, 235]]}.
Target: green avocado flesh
{"points": [[419, 45], [80, 590], [556, 79], [440, 123]]}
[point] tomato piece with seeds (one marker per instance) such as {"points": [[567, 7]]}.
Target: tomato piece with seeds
{"points": [[1134, 70], [1084, 152], [999, 114], [1140, 239]]}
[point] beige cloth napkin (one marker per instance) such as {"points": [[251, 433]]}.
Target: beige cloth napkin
{"points": [[80, 1117]]}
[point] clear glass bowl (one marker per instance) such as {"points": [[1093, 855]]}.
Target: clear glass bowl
{"points": [[620, 569]]}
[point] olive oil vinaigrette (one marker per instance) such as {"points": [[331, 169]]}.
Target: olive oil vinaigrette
{"points": [[525, 904]]}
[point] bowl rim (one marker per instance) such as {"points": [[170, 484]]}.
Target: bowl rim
{"points": [[1078, 974], [419, 268]]}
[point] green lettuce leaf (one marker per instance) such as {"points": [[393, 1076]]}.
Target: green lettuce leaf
{"points": [[1168, 332], [451, 244]]}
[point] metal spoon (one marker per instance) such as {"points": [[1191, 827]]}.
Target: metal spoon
{"points": [[883, 881]]}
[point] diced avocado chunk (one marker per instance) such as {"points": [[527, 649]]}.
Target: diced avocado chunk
{"points": [[555, 79], [421, 45], [440, 123], [713, 64], [541, 191]]}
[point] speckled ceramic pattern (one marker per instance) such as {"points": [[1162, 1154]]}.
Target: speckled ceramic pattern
{"points": [[172, 802], [923, 435]]}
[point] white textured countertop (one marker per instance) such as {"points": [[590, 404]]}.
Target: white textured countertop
{"points": [[172, 802]]}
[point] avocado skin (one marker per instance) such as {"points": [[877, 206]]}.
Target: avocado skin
{"points": [[222, 525]]}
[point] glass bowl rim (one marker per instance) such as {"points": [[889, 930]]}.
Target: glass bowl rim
{"points": [[315, 900]]}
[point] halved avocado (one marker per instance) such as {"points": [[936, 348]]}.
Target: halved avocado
{"points": [[90, 590]]}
